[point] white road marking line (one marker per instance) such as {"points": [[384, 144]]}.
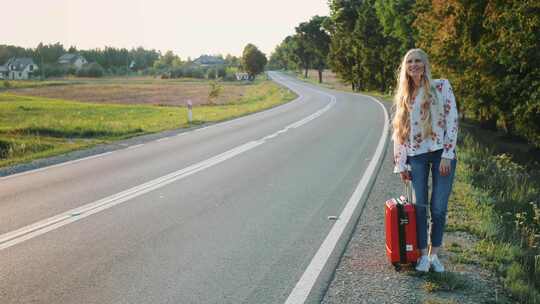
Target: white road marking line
{"points": [[163, 139], [25, 233], [41, 227], [134, 147], [270, 136], [306, 283]]}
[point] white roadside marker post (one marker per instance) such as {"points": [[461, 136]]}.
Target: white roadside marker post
{"points": [[190, 114]]}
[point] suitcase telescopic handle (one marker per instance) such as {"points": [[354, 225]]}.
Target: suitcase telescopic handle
{"points": [[408, 191]]}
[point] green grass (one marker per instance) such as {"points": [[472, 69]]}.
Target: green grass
{"points": [[496, 199], [35, 127], [446, 281]]}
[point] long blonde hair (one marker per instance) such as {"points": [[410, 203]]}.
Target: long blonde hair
{"points": [[402, 99]]}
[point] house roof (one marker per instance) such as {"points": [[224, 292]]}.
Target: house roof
{"points": [[69, 58], [207, 59], [19, 64]]}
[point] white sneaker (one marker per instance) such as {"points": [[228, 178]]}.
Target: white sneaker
{"points": [[423, 264], [436, 263]]}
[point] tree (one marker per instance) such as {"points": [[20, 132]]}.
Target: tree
{"points": [[490, 50], [253, 60], [374, 69], [300, 49], [360, 53], [231, 60], [143, 58], [168, 60], [315, 41], [284, 56], [342, 60], [8, 51], [396, 18], [49, 53]]}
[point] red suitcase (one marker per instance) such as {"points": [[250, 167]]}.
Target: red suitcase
{"points": [[400, 222]]}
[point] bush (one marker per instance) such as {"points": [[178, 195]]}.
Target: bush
{"points": [[211, 73], [221, 72], [54, 70], [91, 70], [198, 73], [215, 90], [7, 84], [69, 70], [230, 74], [177, 73]]}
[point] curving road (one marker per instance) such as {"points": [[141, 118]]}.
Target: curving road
{"points": [[231, 213]]}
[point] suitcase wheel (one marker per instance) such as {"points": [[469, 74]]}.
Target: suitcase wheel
{"points": [[397, 266]]}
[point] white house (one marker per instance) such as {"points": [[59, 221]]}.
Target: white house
{"points": [[72, 59], [18, 68], [3, 72], [242, 76]]}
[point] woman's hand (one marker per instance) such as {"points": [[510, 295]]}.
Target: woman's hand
{"points": [[445, 166], [405, 176]]}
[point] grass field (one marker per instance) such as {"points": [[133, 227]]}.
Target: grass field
{"points": [[142, 90], [34, 127]]}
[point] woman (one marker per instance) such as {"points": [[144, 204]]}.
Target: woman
{"points": [[425, 132]]}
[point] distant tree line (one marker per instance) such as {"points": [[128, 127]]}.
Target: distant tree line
{"points": [[111, 60], [488, 49], [120, 61]]}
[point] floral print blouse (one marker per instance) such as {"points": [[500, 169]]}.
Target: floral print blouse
{"points": [[444, 124]]}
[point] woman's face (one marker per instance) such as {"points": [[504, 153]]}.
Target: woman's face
{"points": [[414, 65]]}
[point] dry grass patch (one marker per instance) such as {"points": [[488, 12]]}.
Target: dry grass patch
{"points": [[140, 91]]}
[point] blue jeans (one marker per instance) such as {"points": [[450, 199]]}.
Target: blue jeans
{"points": [[441, 188]]}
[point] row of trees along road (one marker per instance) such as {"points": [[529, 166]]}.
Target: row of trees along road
{"points": [[307, 48], [489, 50]]}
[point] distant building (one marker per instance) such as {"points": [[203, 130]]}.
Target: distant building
{"points": [[72, 59], [207, 60], [18, 68], [3, 72]]}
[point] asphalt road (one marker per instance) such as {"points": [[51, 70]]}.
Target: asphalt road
{"points": [[231, 213]]}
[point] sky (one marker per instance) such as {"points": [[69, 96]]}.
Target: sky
{"points": [[187, 27]]}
